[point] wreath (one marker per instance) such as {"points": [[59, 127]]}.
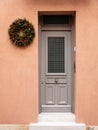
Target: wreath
{"points": [[21, 32]]}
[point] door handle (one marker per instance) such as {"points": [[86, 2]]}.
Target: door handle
{"points": [[56, 80]]}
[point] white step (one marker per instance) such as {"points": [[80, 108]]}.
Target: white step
{"points": [[56, 117], [57, 121], [56, 126]]}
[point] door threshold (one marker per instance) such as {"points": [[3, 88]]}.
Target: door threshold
{"points": [[56, 117]]}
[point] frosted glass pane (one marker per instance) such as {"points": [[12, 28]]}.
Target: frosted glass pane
{"points": [[56, 55]]}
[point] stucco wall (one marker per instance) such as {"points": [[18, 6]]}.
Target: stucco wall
{"points": [[19, 67]]}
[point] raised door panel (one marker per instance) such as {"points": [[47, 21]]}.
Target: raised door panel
{"points": [[62, 94], [49, 94]]}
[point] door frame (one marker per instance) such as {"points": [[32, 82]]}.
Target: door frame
{"points": [[58, 28]]}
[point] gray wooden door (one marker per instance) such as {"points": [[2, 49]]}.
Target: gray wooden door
{"points": [[55, 71]]}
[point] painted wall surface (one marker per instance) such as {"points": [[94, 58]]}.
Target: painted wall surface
{"points": [[19, 67]]}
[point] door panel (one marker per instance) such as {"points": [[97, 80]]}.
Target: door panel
{"points": [[56, 79], [62, 94], [49, 94], [55, 71], [56, 60]]}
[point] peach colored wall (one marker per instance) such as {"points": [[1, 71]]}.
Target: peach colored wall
{"points": [[19, 67]]}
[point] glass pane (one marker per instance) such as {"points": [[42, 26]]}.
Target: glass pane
{"points": [[56, 19], [56, 55]]}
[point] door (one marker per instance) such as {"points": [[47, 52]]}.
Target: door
{"points": [[55, 71]]}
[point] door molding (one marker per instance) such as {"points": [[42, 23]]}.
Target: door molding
{"points": [[58, 28]]}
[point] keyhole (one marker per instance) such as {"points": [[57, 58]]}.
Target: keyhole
{"points": [[56, 81]]}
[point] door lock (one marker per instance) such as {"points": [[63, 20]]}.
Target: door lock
{"points": [[56, 80]]}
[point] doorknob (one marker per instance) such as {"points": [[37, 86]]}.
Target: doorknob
{"points": [[56, 80]]}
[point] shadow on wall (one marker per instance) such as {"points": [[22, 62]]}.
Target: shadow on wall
{"points": [[60, 2]]}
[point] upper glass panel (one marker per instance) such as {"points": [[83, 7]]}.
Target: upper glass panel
{"points": [[56, 60], [56, 19]]}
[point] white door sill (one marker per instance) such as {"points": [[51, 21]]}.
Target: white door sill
{"points": [[56, 117]]}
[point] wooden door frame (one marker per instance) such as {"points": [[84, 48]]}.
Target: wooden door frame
{"points": [[58, 28]]}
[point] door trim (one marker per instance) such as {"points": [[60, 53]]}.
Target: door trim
{"points": [[58, 28]]}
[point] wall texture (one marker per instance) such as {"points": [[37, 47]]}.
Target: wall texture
{"points": [[19, 67]]}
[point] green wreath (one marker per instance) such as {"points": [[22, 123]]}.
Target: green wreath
{"points": [[21, 32]]}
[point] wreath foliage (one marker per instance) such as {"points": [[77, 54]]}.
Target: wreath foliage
{"points": [[21, 32]]}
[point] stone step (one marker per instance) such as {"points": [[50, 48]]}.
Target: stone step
{"points": [[56, 121], [57, 126]]}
